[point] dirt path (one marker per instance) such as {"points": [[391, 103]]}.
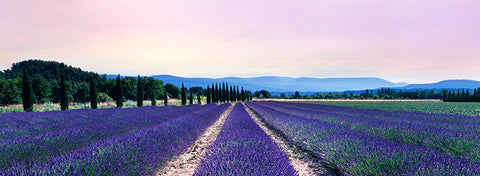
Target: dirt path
{"points": [[186, 163], [304, 163]]}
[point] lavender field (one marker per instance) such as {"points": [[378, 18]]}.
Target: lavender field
{"points": [[140, 141], [375, 142], [115, 141]]}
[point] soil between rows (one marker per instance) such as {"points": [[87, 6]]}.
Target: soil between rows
{"points": [[186, 163]]}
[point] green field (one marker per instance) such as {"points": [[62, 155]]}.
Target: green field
{"points": [[464, 108]]}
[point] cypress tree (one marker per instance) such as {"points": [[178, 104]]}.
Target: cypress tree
{"points": [[243, 95], [231, 94], [234, 93], [450, 96], [93, 94], [27, 92], [139, 92], [224, 91], [220, 92], [238, 94], [458, 95], [63, 94], [165, 99], [208, 95], [444, 95], [213, 93], [217, 95], [184, 96], [227, 98], [119, 92], [467, 96], [191, 98], [198, 99]]}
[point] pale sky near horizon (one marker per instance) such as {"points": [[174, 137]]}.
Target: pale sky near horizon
{"points": [[414, 41]]}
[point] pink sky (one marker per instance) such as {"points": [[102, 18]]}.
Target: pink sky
{"points": [[403, 40]]}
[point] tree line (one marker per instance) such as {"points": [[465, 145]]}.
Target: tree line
{"points": [[217, 93], [382, 93], [463, 95]]}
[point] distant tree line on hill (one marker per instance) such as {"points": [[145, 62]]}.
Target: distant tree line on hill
{"points": [[382, 93]]}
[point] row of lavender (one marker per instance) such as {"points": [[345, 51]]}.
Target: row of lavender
{"points": [[133, 141], [374, 142], [242, 148]]}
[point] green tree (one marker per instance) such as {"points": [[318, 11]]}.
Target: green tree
{"points": [[467, 95], [208, 95], [191, 98], [232, 99], [27, 93], [172, 90], [237, 95], [119, 92], [139, 92], [153, 101], [213, 94], [243, 95], [165, 98], [198, 99], [263, 93], [196, 90], [217, 94], [297, 95], [184, 95], [153, 88], [63, 93], [93, 93], [42, 89]]}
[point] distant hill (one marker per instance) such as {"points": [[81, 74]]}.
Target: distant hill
{"points": [[285, 84], [446, 84], [49, 70]]}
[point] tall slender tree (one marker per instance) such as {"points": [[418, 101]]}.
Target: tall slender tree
{"points": [[208, 95], [243, 94], [63, 94], [27, 92], [444, 95], [217, 95], [231, 94], [184, 95], [226, 93], [93, 93], [165, 99], [191, 98], [467, 95], [238, 94], [198, 99], [139, 92], [222, 92], [213, 94], [119, 92]]}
